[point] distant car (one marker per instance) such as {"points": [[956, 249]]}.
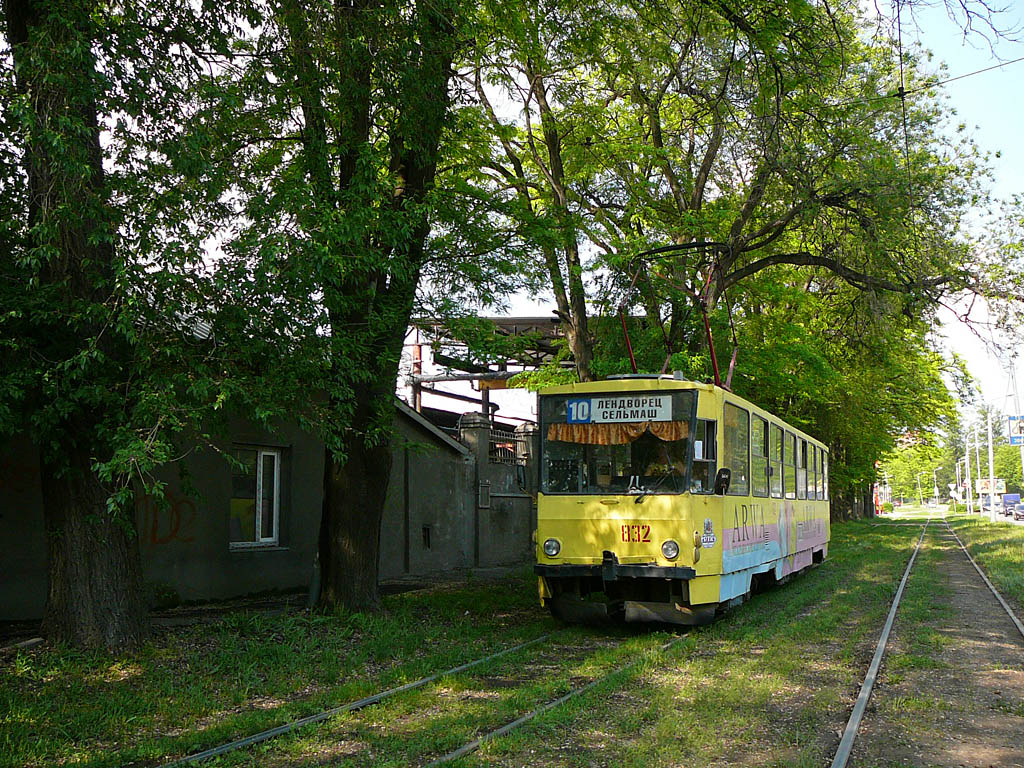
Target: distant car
{"points": [[1018, 511], [1010, 502]]}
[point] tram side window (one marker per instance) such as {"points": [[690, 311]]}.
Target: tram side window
{"points": [[801, 469], [821, 473], [812, 473], [776, 462], [759, 457], [737, 449], [824, 457], [789, 460], [819, 484], [704, 458]]}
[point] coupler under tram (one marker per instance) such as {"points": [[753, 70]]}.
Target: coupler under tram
{"points": [[612, 593]]}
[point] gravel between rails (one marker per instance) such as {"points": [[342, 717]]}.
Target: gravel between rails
{"points": [[952, 690]]}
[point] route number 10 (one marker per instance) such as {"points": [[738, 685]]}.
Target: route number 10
{"points": [[579, 411]]}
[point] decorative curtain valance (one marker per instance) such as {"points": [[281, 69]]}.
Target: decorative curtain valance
{"points": [[618, 434]]}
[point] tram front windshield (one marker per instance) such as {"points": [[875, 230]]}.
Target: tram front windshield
{"points": [[616, 443]]}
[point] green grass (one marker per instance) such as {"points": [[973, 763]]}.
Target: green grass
{"points": [[769, 684], [196, 687]]}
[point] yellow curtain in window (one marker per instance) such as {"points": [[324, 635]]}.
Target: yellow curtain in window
{"points": [[618, 434]]}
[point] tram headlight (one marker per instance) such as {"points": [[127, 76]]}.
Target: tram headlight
{"points": [[552, 547], [670, 549]]}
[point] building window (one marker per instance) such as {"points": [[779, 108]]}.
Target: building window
{"points": [[255, 497]]}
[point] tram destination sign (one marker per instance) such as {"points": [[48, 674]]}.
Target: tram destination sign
{"points": [[609, 409]]}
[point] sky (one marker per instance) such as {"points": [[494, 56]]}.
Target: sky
{"points": [[991, 105]]}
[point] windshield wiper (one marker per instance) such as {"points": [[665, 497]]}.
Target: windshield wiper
{"points": [[645, 492]]}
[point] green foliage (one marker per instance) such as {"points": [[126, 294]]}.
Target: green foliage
{"points": [[766, 130], [547, 376], [1006, 461], [116, 338]]}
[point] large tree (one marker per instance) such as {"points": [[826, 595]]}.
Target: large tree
{"points": [[764, 150], [106, 304], [333, 131], [69, 255]]}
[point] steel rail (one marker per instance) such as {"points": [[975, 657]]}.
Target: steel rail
{"points": [[511, 726], [1002, 602], [853, 724], [351, 706]]}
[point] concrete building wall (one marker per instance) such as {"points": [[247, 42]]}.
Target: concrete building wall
{"points": [[428, 520], [185, 547], [23, 580], [436, 519]]}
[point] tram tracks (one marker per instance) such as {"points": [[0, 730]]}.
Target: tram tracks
{"points": [[352, 706], [850, 734], [513, 671], [592, 661]]}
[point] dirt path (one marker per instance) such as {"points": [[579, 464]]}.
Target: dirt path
{"points": [[951, 692]]}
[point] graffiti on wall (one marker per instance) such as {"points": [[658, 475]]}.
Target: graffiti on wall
{"points": [[159, 524], [164, 523]]}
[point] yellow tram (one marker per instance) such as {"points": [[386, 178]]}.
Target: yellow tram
{"points": [[663, 500]]}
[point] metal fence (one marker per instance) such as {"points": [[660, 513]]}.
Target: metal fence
{"points": [[508, 448]]}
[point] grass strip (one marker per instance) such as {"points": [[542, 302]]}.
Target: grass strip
{"points": [[194, 687], [350, 707], [432, 722], [520, 721]]}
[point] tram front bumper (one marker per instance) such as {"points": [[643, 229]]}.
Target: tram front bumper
{"points": [[573, 608], [610, 569]]}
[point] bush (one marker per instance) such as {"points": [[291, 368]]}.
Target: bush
{"points": [[887, 508]]}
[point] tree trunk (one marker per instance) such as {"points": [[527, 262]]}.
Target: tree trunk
{"points": [[354, 493], [580, 344], [95, 595]]}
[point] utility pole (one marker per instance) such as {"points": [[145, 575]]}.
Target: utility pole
{"points": [[958, 485], [1016, 404], [991, 473], [977, 463], [970, 481], [920, 499]]}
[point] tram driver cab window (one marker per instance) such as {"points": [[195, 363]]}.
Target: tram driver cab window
{"points": [[704, 458]]}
